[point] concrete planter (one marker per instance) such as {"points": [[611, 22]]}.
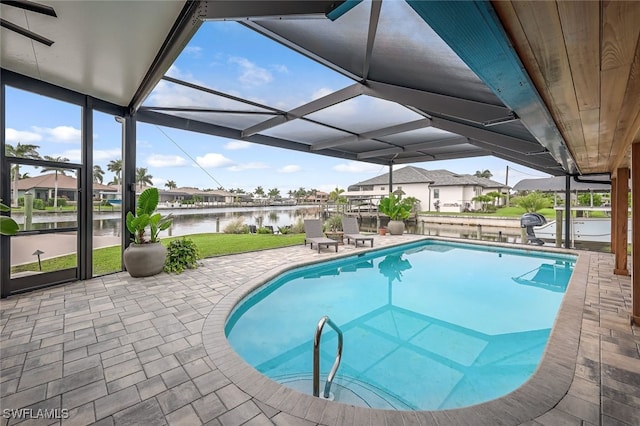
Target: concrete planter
{"points": [[144, 260], [396, 227]]}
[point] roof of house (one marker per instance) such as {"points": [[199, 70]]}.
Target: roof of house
{"points": [[189, 190], [557, 184], [441, 177], [49, 181]]}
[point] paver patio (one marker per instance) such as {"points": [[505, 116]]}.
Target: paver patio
{"points": [[120, 350]]}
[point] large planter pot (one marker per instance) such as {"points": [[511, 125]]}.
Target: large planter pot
{"points": [[396, 227], [145, 260]]}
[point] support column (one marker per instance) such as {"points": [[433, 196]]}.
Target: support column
{"points": [[128, 182], [613, 214], [635, 238], [622, 221], [567, 212]]}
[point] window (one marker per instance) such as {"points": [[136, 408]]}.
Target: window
{"points": [[436, 193], [382, 188]]}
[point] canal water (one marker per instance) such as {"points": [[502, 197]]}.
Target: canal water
{"points": [[188, 221]]}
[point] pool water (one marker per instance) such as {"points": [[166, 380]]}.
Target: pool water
{"points": [[427, 326]]}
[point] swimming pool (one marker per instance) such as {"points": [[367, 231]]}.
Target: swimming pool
{"points": [[427, 326]]}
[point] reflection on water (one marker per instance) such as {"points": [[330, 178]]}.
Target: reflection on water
{"points": [[426, 326]]}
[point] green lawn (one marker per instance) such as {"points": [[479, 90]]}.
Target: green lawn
{"points": [[107, 259], [549, 213]]}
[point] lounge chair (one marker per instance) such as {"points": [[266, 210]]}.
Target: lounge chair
{"points": [[352, 231], [313, 235]]}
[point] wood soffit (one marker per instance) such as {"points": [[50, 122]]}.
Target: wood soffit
{"points": [[584, 59]]}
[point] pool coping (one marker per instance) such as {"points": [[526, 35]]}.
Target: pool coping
{"points": [[546, 387]]}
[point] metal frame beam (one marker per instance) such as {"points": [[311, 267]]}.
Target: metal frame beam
{"points": [[286, 42], [85, 198], [183, 29], [465, 109], [231, 10], [386, 131], [484, 46], [218, 93], [374, 18], [5, 194], [331, 99]]}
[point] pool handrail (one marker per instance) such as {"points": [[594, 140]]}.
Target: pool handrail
{"points": [[316, 357]]}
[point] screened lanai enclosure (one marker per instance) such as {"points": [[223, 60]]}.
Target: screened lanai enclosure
{"points": [[552, 86]]}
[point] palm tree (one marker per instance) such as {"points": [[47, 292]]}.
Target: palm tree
{"points": [[274, 193], [57, 170], [335, 195], [98, 174], [115, 166], [259, 191], [486, 173], [21, 151], [171, 184], [142, 178]]}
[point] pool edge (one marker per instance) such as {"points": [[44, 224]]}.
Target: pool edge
{"points": [[546, 387]]}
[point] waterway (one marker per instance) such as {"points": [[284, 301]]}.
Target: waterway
{"points": [[107, 227], [185, 220]]}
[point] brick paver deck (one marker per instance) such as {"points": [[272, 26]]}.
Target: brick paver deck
{"points": [[121, 350]]}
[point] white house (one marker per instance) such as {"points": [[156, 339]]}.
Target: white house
{"points": [[437, 190]]}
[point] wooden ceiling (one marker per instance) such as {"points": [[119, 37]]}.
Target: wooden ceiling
{"points": [[584, 59]]}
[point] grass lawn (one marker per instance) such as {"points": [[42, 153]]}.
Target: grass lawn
{"points": [[107, 260], [549, 213]]}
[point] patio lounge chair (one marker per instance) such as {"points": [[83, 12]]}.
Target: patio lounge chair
{"points": [[352, 231], [313, 235]]}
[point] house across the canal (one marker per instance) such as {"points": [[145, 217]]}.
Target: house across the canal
{"points": [[437, 190]]}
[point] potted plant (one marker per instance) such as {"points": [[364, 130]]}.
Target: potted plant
{"points": [[145, 257], [333, 228], [8, 226], [398, 209]]}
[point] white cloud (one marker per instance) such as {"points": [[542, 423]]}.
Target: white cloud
{"points": [[281, 68], [74, 155], [213, 160], [234, 145], [159, 160], [60, 133], [358, 167], [247, 166], [106, 154], [250, 73], [194, 51], [158, 182], [22, 136], [323, 91], [290, 168]]}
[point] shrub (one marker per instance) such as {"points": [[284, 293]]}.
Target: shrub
{"points": [[264, 230], [181, 254], [61, 202], [38, 204], [533, 202], [236, 227], [284, 230], [584, 199], [20, 201], [298, 227]]}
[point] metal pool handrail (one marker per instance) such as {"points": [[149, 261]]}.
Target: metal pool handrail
{"points": [[316, 357]]}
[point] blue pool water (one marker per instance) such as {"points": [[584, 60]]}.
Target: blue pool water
{"points": [[427, 326]]}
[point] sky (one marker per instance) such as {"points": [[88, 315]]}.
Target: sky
{"points": [[230, 58]]}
